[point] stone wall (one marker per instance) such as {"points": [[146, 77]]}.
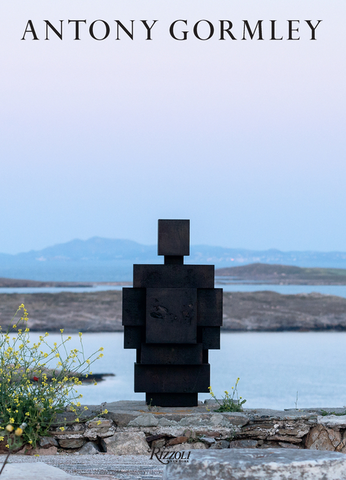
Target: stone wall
{"points": [[134, 428]]}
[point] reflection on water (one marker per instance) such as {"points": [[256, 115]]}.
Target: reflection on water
{"points": [[272, 366]]}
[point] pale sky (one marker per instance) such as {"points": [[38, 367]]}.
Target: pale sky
{"points": [[102, 138]]}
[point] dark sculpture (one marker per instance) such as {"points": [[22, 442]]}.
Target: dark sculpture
{"points": [[172, 316]]}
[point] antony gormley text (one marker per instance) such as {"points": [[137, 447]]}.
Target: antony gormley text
{"points": [[172, 316]]}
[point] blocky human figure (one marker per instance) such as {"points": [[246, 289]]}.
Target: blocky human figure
{"points": [[172, 317]]}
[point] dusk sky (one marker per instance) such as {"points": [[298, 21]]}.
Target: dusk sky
{"points": [[246, 138]]}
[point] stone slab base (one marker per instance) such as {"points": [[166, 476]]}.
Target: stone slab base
{"points": [[33, 471], [270, 464]]}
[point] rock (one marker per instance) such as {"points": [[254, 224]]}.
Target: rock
{"points": [[322, 438], [152, 438], [126, 443], [68, 418], [298, 430], [207, 440], [220, 444], [192, 421], [237, 418], [206, 433], [285, 430], [46, 442], [243, 444], [75, 430], [71, 442], [219, 420], [259, 464], [283, 438], [89, 448], [177, 440], [332, 421], [146, 420], [197, 446], [187, 446], [288, 445], [164, 422], [158, 443], [99, 427], [52, 450]]}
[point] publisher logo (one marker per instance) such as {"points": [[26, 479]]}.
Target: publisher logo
{"points": [[166, 456]]}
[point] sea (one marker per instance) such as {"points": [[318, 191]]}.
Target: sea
{"points": [[278, 370], [339, 290]]}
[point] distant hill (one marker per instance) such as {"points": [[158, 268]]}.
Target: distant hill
{"points": [[283, 275], [107, 260]]}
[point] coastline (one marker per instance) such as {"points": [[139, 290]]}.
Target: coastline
{"points": [[242, 311]]}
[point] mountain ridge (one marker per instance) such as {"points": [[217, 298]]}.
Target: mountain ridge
{"points": [[104, 259]]}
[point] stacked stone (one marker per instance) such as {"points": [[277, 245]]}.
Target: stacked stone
{"points": [[172, 317], [129, 429]]}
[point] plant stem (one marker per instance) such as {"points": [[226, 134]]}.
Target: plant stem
{"points": [[3, 466]]}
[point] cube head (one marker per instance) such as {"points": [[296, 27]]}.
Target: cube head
{"points": [[174, 237], [171, 315]]}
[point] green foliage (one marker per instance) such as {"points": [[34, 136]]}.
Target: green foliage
{"points": [[324, 413], [230, 402], [35, 385]]}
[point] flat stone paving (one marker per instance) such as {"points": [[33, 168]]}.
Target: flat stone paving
{"points": [[269, 464], [101, 466]]}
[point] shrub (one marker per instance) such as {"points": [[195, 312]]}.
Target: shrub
{"points": [[230, 402], [37, 381]]}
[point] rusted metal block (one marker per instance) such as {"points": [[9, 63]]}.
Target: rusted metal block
{"points": [[134, 306], [173, 276], [172, 354], [172, 378], [171, 315], [172, 399], [209, 307], [209, 337], [133, 337], [174, 237]]}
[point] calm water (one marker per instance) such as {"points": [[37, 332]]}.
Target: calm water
{"points": [[96, 288], [272, 366], [339, 290]]}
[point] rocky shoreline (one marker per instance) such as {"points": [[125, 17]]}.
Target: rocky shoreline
{"points": [[250, 311]]}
